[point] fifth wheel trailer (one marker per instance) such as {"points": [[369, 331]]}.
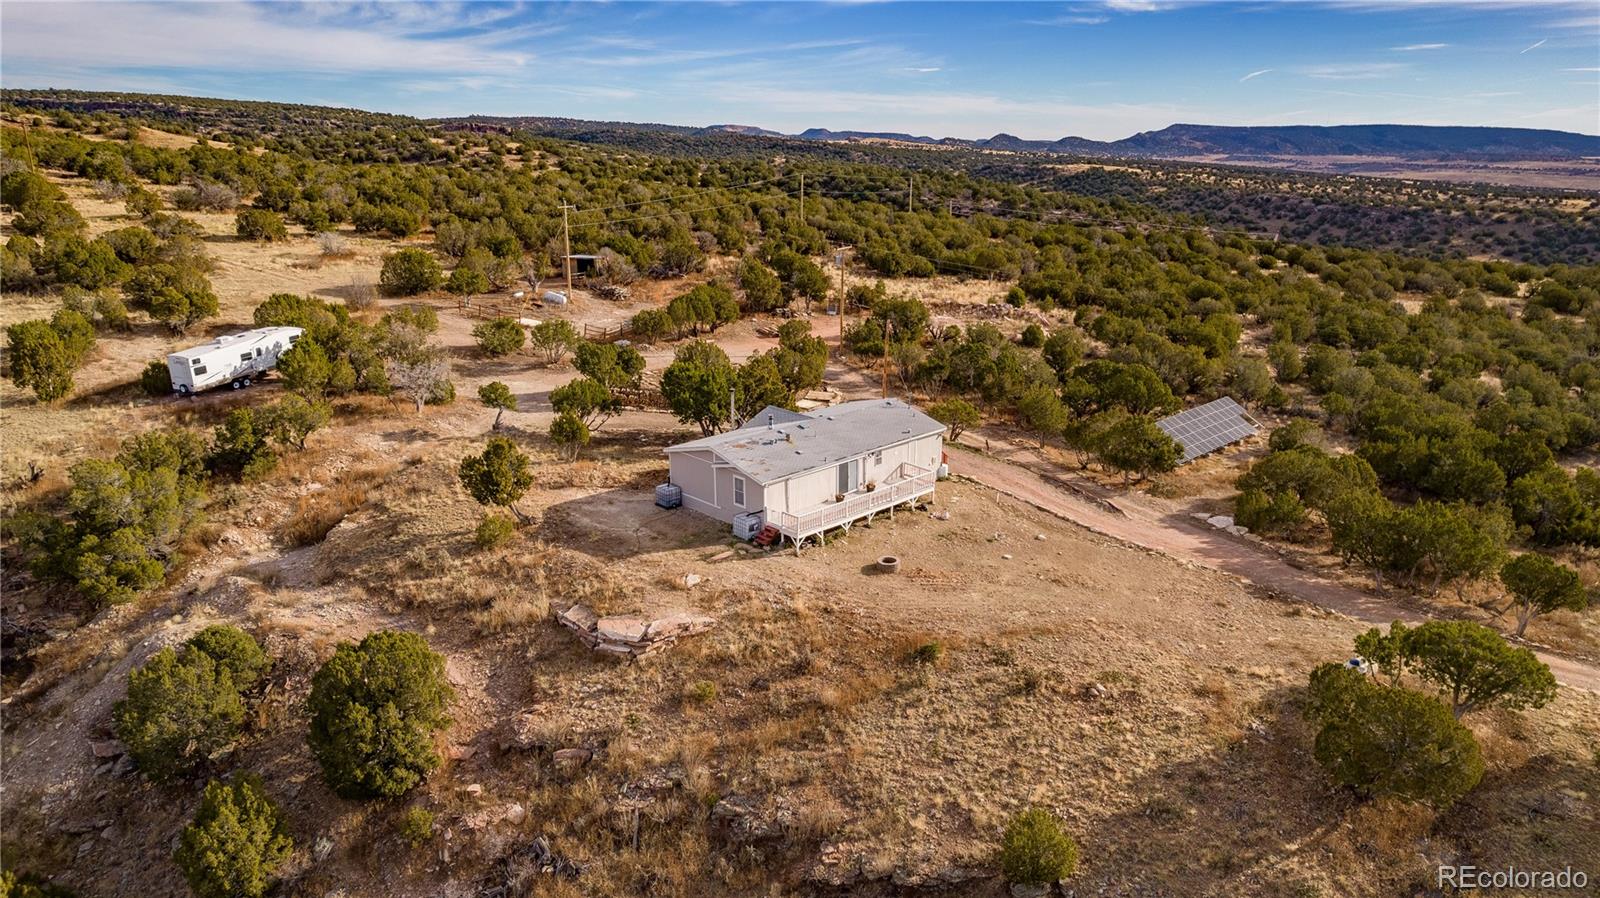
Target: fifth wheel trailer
{"points": [[232, 359]]}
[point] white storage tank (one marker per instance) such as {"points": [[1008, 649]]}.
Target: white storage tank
{"points": [[669, 495], [747, 525]]}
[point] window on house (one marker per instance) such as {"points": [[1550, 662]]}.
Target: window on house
{"points": [[738, 491]]}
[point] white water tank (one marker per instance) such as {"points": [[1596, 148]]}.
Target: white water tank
{"points": [[747, 525]]}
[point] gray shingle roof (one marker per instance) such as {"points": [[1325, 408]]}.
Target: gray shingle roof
{"points": [[775, 414], [821, 438]]}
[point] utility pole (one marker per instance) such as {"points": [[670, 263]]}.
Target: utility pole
{"points": [[886, 356], [566, 260], [839, 258]]}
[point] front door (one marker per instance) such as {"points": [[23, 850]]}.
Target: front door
{"points": [[847, 477]]}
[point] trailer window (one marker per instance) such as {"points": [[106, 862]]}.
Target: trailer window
{"points": [[245, 357], [199, 369], [194, 361], [293, 338], [258, 352]]}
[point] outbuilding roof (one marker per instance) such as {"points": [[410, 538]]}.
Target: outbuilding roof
{"points": [[806, 442]]}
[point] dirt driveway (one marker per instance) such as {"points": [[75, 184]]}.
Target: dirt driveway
{"points": [[1179, 537]]}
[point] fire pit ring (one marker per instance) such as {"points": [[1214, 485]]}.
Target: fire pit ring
{"points": [[888, 564]]}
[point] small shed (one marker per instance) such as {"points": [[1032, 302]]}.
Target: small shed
{"points": [[582, 265]]}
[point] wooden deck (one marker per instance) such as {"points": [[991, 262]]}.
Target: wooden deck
{"points": [[911, 483]]}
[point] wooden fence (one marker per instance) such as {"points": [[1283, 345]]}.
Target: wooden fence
{"points": [[597, 334], [497, 307]]}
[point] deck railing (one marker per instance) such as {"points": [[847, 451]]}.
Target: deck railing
{"points": [[910, 482]]}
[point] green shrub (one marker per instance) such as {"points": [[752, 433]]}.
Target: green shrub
{"points": [[237, 841], [76, 332], [181, 708], [1035, 850], [957, 414], [569, 433], [28, 885], [499, 397], [375, 707], [554, 339], [928, 653], [494, 530], [1032, 336], [651, 325], [40, 359], [235, 653], [240, 448], [466, 280], [1388, 741], [1293, 435], [1258, 512], [497, 476], [416, 826], [156, 378], [410, 271], [499, 336], [700, 692], [260, 225]]}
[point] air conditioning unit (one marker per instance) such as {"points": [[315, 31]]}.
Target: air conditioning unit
{"points": [[669, 495], [747, 525]]}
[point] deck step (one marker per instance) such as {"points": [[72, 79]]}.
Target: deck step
{"points": [[768, 535]]}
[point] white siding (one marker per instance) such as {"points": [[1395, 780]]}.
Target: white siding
{"points": [[804, 492], [708, 483]]}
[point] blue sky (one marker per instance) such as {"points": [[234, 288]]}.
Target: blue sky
{"points": [[1102, 69]]}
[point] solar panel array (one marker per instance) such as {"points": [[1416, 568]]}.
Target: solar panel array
{"points": [[1207, 428]]}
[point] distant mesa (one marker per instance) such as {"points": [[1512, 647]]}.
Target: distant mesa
{"points": [[1409, 142]]}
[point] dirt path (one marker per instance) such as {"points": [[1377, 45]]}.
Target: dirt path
{"points": [[1176, 535]]}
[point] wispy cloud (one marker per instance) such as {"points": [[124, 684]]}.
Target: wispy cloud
{"points": [[1070, 19], [924, 69], [1351, 71], [1541, 42], [1412, 48], [1253, 75], [238, 37], [1140, 5], [1587, 68]]}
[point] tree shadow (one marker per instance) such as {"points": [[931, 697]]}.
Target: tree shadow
{"points": [[1207, 825]]}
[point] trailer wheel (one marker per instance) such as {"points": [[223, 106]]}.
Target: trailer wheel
{"points": [[245, 382], [183, 391], [235, 385]]}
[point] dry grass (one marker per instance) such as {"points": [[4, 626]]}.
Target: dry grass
{"points": [[317, 513]]}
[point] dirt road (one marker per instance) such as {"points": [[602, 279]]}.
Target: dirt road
{"points": [[1180, 537]]}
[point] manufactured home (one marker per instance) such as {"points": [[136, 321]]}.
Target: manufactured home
{"points": [[233, 359], [803, 474]]}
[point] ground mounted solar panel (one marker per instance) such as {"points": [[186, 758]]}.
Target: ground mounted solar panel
{"points": [[1207, 428]]}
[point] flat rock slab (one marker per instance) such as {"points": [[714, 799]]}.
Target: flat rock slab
{"points": [[621, 629], [631, 635]]}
